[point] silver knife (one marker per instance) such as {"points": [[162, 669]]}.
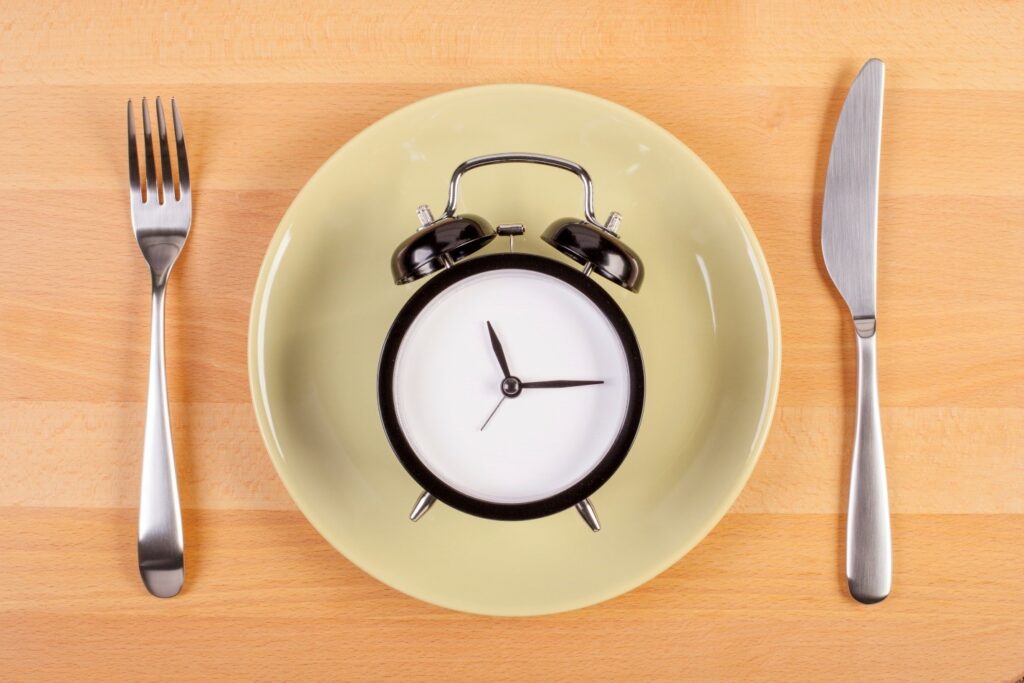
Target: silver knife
{"points": [[849, 232]]}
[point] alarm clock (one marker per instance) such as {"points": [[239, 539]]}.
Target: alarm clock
{"points": [[511, 385]]}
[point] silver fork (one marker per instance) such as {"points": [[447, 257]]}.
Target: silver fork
{"points": [[161, 222]]}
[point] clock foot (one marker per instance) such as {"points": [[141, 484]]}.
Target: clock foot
{"points": [[423, 504], [588, 514]]}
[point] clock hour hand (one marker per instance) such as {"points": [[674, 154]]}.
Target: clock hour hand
{"points": [[498, 351], [561, 383]]}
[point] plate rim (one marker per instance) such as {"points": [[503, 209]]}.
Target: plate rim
{"points": [[613, 589]]}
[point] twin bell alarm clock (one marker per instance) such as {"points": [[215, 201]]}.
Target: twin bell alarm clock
{"points": [[511, 384]]}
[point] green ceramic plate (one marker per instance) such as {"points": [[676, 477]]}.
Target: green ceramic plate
{"points": [[706, 320]]}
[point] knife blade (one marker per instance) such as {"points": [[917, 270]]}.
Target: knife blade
{"points": [[849, 236], [849, 222]]}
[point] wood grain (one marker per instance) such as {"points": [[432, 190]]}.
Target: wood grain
{"points": [[270, 90]]}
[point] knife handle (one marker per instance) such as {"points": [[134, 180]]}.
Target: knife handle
{"points": [[868, 536]]}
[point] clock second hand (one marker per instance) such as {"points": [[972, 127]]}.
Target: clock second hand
{"points": [[493, 412]]}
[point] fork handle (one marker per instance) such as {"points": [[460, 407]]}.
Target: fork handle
{"points": [[868, 536], [161, 542]]}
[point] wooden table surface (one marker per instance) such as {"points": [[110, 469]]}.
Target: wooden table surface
{"points": [[268, 91]]}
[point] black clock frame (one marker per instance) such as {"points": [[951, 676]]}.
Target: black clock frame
{"points": [[567, 498]]}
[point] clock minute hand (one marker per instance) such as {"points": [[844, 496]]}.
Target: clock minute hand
{"points": [[561, 383], [498, 351]]}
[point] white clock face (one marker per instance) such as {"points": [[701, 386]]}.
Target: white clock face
{"points": [[477, 434]]}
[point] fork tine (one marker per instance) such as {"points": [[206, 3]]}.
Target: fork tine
{"points": [[165, 155], [134, 183], [179, 137], [147, 133]]}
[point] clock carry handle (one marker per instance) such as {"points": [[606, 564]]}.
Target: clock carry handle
{"points": [[440, 243], [529, 158], [596, 247]]}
